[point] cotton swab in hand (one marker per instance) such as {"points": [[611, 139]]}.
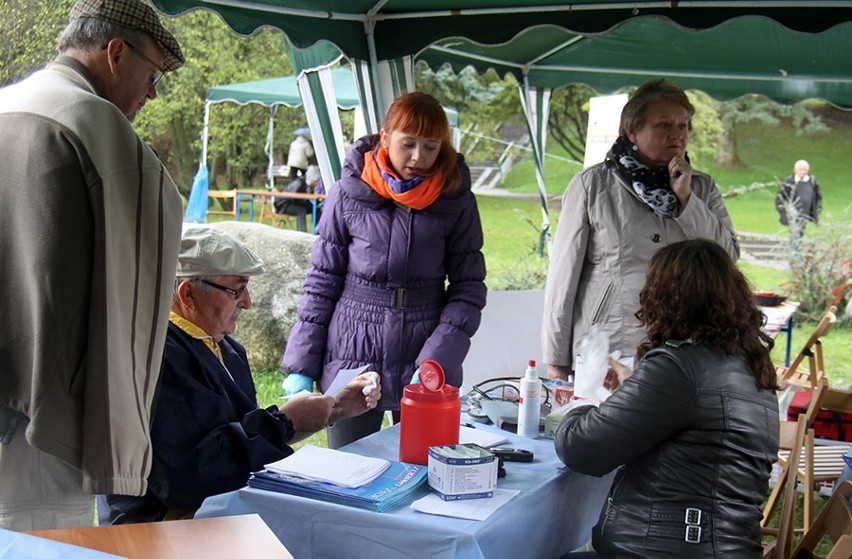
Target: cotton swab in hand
{"points": [[372, 386]]}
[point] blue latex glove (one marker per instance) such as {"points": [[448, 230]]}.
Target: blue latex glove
{"points": [[295, 383], [415, 379]]}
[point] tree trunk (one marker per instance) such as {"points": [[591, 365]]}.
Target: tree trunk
{"points": [[182, 153], [726, 150]]}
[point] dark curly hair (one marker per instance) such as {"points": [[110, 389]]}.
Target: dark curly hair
{"points": [[693, 291]]}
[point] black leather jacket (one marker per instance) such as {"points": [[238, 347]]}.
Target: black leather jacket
{"points": [[697, 439]]}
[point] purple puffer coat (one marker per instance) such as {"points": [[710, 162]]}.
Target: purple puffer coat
{"points": [[389, 286]]}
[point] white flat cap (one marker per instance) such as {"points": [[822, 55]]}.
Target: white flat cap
{"points": [[208, 251]]}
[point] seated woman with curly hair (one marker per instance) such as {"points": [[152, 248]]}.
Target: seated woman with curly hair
{"points": [[695, 428]]}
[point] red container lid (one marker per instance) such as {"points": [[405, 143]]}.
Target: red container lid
{"points": [[420, 393], [431, 374]]}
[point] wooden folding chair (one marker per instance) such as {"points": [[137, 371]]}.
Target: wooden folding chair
{"points": [[267, 211], [842, 549], [813, 352], [224, 195], [822, 462], [791, 437], [834, 521]]}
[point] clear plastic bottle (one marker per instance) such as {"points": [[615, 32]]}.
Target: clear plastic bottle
{"points": [[529, 407]]}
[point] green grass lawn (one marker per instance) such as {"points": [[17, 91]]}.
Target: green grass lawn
{"points": [[511, 226]]}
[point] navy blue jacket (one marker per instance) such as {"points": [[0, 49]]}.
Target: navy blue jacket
{"points": [[208, 433]]}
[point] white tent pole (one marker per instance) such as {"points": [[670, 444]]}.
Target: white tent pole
{"points": [[268, 148], [204, 135], [536, 105], [323, 120], [378, 94]]}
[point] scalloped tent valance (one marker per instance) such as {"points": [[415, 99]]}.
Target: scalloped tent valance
{"points": [[789, 50]]}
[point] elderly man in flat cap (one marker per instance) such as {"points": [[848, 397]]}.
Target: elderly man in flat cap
{"points": [[208, 432], [88, 244]]}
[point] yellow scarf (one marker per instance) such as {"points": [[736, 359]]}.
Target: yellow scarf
{"points": [[195, 332], [419, 197]]}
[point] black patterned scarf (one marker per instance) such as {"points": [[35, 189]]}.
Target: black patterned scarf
{"points": [[652, 185]]}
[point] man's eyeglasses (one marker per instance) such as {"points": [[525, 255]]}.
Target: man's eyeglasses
{"points": [[158, 75], [237, 293]]}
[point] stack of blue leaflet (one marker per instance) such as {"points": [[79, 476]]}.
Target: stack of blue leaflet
{"points": [[392, 488]]}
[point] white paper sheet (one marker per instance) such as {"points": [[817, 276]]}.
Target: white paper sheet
{"points": [[481, 437], [344, 377], [331, 466], [471, 509]]}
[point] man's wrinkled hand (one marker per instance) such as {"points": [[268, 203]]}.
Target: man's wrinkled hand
{"points": [[361, 394], [309, 413]]}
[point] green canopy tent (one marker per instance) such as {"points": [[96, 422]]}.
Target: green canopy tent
{"points": [[273, 93], [383, 38]]}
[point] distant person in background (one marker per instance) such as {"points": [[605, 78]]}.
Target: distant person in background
{"points": [[300, 154], [397, 273], [800, 189], [208, 432], [616, 215], [88, 241]]}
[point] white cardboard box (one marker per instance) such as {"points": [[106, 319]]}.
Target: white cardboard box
{"points": [[463, 471]]}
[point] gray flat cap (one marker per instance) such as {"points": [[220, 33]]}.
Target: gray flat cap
{"points": [[208, 251]]}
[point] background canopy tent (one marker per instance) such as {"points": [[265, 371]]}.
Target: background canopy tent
{"points": [[273, 93], [789, 50]]}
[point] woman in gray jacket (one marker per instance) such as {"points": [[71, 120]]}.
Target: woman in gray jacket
{"points": [[616, 215], [695, 429]]}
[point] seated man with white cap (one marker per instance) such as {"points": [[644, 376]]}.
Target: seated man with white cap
{"points": [[208, 433]]}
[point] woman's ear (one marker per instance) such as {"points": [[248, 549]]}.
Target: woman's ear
{"points": [[384, 139]]}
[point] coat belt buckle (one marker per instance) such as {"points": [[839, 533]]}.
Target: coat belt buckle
{"points": [[692, 521], [399, 298], [693, 534]]}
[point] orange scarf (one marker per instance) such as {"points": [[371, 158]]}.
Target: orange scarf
{"points": [[419, 197]]}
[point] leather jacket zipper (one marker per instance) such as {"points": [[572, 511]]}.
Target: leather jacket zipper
{"points": [[609, 502]]}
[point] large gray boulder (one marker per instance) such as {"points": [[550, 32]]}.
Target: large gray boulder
{"points": [[275, 294]]}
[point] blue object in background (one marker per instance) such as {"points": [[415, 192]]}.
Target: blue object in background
{"points": [[295, 383], [196, 207]]}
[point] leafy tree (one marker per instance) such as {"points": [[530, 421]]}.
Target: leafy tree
{"points": [[751, 108], [569, 118], [172, 123], [31, 31], [484, 102], [237, 134]]}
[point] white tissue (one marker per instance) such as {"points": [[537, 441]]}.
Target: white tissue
{"points": [[592, 365]]}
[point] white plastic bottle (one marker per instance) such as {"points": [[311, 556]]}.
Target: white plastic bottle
{"points": [[530, 402]]}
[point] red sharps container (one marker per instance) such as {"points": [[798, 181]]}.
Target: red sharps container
{"points": [[430, 413]]}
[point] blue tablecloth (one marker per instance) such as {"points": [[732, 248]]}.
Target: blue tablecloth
{"points": [[553, 514]]}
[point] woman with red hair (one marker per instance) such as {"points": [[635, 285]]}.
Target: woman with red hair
{"points": [[397, 272]]}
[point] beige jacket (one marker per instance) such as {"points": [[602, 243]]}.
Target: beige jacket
{"points": [[300, 152], [604, 240], [88, 241]]}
